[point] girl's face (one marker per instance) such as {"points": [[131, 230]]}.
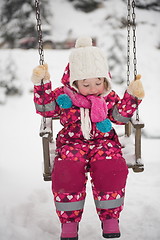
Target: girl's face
{"points": [[91, 86]]}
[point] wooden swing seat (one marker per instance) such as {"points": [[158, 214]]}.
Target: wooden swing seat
{"points": [[133, 158]]}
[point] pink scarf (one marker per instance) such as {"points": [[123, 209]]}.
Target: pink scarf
{"points": [[97, 105]]}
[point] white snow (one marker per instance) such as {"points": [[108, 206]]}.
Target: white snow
{"points": [[27, 210]]}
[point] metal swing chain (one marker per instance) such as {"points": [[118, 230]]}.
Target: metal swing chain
{"points": [[134, 45], [39, 31], [134, 51], [134, 39], [128, 41], [40, 50]]}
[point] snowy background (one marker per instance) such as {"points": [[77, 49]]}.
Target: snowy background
{"points": [[26, 209]]}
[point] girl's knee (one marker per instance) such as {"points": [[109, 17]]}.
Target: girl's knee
{"points": [[68, 176], [109, 174]]}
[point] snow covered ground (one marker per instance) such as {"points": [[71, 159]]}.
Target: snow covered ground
{"points": [[26, 209]]}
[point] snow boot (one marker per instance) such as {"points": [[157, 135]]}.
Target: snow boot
{"points": [[111, 228], [69, 231]]}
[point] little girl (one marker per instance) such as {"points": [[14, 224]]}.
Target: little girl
{"points": [[87, 142]]}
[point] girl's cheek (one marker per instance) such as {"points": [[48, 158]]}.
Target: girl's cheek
{"points": [[101, 90], [83, 91]]}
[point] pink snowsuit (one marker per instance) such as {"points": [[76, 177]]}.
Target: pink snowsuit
{"points": [[101, 155]]}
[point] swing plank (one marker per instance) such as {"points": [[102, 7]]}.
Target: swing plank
{"points": [[46, 155], [138, 166], [47, 136]]}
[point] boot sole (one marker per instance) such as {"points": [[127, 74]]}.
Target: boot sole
{"points": [[74, 238], [111, 235]]}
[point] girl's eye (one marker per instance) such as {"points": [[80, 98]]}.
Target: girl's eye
{"points": [[86, 85], [98, 84]]}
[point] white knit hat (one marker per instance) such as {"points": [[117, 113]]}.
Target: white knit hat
{"points": [[87, 61]]}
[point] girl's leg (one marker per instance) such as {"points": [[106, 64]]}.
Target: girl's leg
{"points": [[69, 182], [109, 173]]}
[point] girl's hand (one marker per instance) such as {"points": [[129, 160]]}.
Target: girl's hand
{"points": [[135, 88], [40, 73]]}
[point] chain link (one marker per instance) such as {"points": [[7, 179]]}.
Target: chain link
{"points": [[133, 23], [134, 39], [129, 23], [41, 52], [137, 112], [39, 31], [134, 50], [128, 41]]}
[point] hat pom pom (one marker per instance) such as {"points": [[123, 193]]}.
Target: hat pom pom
{"points": [[83, 42]]}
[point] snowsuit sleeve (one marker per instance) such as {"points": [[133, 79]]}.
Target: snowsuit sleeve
{"points": [[45, 100], [121, 110]]}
